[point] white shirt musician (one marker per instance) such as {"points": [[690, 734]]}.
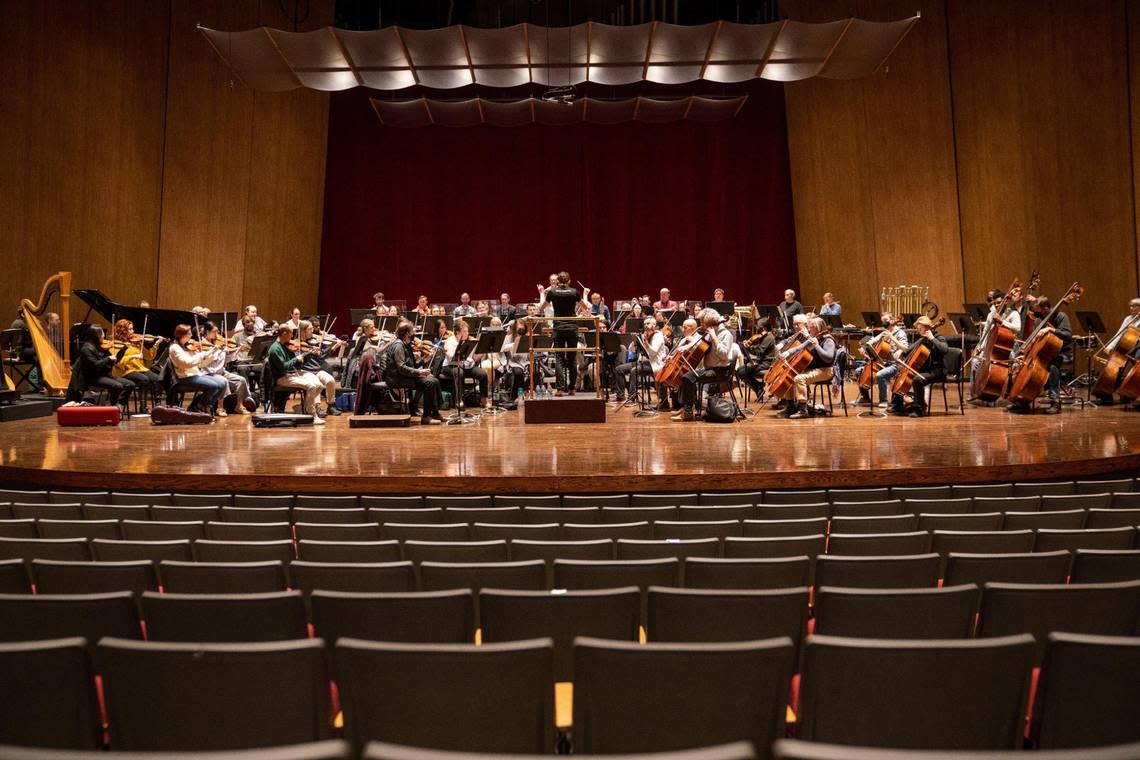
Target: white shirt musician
{"points": [[716, 359], [1132, 320], [650, 350]]}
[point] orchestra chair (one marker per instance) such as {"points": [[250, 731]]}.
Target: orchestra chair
{"points": [[275, 399], [952, 363], [838, 369], [724, 381], [174, 389]]}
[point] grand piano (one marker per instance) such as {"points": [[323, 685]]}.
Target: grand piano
{"points": [[155, 321]]}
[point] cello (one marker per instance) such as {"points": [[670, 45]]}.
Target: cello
{"points": [[683, 359], [878, 353], [991, 373], [1037, 352], [788, 364], [913, 363], [1119, 357]]}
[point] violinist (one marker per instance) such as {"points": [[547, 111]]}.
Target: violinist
{"points": [[294, 322], [719, 338], [285, 366], [649, 357], [313, 352], [468, 367], [188, 363], [934, 370], [94, 369], [894, 331], [137, 358], [512, 363], [822, 349], [1059, 325], [760, 350], [236, 385]]}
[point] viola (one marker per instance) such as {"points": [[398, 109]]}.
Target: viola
{"points": [[1038, 351]]}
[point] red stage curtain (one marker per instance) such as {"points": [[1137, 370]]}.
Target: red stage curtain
{"points": [[627, 209]]}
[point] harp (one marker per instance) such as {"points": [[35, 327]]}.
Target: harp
{"points": [[49, 338]]}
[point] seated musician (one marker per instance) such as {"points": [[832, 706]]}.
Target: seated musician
{"points": [[718, 295], [934, 371], [400, 371], [469, 367], [666, 302], [379, 308], [822, 349], [482, 309], [236, 385], [286, 367], [1132, 320], [258, 322], [464, 309], [894, 330], [760, 351], [715, 360], [294, 322], [422, 308], [513, 362], [649, 357], [314, 352], [506, 311], [788, 308], [830, 306], [598, 307], [189, 368], [1060, 326], [799, 329], [95, 369], [137, 358]]}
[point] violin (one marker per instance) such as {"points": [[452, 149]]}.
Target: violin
{"points": [[756, 338]]}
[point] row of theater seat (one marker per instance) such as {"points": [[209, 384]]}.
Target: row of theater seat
{"points": [[627, 697], [907, 571]]}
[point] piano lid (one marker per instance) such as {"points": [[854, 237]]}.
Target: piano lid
{"points": [[157, 321]]}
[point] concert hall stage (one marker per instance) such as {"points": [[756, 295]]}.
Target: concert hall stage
{"points": [[502, 455]]}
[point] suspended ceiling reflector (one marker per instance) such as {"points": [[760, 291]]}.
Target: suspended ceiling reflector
{"points": [[392, 58]]}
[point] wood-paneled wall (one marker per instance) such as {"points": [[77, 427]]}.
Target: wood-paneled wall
{"points": [[997, 141], [134, 159]]}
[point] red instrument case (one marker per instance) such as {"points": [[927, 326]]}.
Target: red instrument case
{"points": [[76, 416]]}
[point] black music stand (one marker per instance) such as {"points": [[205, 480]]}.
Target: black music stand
{"points": [[871, 318], [260, 347], [834, 320], [772, 312], [724, 308], [1093, 326], [870, 358], [620, 319], [639, 392], [1091, 322], [387, 323], [460, 416], [979, 311], [356, 315], [490, 343]]}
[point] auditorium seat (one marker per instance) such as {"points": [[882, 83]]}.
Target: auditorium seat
{"points": [[593, 531], [1126, 500], [56, 577], [590, 574], [27, 617], [981, 489], [816, 496], [561, 515], [1041, 567], [412, 516], [1086, 696], [114, 512], [661, 697], [349, 551], [202, 499], [1058, 503], [1052, 488], [975, 521], [491, 698], [439, 576], [794, 749], [27, 549], [47, 690], [663, 499], [200, 512], [1007, 504], [488, 514], [330, 749], [895, 571], [450, 502], [597, 549], [946, 506], [560, 616], [1108, 609], [852, 495], [706, 615], [509, 532], [936, 694], [908, 493], [862, 525], [805, 511], [25, 496], [716, 573], [1071, 540], [352, 577], [455, 551], [595, 500], [330, 515], [370, 501], [879, 544], [187, 696], [14, 577], [770, 548], [18, 528], [982, 542], [385, 751], [730, 499], [139, 498], [885, 508], [1096, 485], [628, 548], [221, 577], [163, 530], [527, 500], [1113, 518], [425, 531], [132, 551], [667, 529], [73, 511], [622, 515], [426, 617], [273, 515], [1105, 566], [363, 531], [784, 528], [1069, 519], [326, 501], [716, 513], [84, 497], [243, 551], [262, 500], [251, 531], [896, 613], [273, 616]]}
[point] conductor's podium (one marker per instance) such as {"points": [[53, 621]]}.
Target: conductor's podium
{"points": [[564, 410]]}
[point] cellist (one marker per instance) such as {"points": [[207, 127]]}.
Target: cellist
{"points": [[822, 349], [1132, 320], [933, 371], [1060, 325], [719, 338], [894, 330]]}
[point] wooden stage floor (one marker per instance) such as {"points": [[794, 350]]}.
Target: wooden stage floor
{"points": [[502, 455]]}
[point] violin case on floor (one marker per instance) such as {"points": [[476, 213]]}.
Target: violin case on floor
{"points": [[82, 416], [176, 415]]}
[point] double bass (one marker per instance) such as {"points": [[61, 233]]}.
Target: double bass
{"points": [[1037, 352], [913, 363], [991, 373], [1119, 357]]}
